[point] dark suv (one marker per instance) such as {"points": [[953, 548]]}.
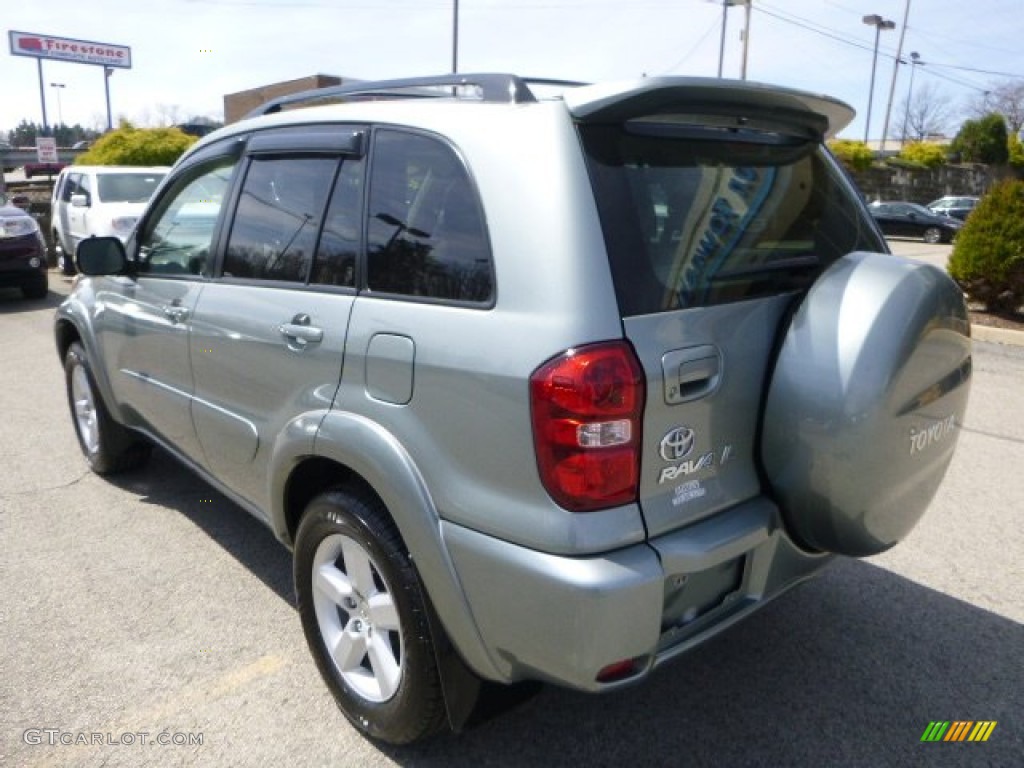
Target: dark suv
{"points": [[22, 251], [534, 389]]}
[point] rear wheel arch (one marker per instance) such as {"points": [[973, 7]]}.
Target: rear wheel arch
{"points": [[365, 617], [359, 454]]}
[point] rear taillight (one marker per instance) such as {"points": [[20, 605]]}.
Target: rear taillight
{"points": [[587, 406]]}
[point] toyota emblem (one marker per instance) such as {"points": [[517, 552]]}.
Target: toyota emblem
{"points": [[677, 444]]}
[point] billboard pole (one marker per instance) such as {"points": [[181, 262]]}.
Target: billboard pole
{"points": [[107, 72], [42, 97]]}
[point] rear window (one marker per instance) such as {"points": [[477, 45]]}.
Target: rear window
{"points": [[700, 216]]}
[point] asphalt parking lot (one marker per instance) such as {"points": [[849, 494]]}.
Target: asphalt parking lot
{"points": [[152, 619]]}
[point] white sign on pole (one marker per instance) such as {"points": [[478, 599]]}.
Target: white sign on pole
{"points": [[46, 149], [41, 46]]}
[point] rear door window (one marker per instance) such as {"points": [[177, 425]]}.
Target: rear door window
{"points": [[275, 229], [701, 216]]}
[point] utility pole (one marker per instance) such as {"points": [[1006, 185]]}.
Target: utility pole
{"points": [[721, 42], [876, 21], [455, 37], [895, 69], [746, 38]]}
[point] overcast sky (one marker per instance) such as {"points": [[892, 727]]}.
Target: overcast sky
{"points": [[187, 54]]}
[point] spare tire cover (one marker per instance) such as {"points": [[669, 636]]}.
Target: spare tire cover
{"points": [[866, 402]]}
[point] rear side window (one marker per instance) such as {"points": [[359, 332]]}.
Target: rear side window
{"points": [[425, 234], [694, 217]]}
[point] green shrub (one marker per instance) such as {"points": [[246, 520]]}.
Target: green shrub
{"points": [[855, 155], [983, 141], [129, 145], [924, 154], [988, 258], [1016, 151]]}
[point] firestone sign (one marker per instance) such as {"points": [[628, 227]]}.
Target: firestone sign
{"points": [[67, 49]]}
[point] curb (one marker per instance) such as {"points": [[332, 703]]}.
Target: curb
{"points": [[997, 335]]}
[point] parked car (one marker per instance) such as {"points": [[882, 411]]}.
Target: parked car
{"points": [[91, 200], [5, 167], [956, 207], [43, 169], [22, 251], [899, 219], [554, 414]]}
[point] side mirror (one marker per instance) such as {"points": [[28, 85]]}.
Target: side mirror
{"points": [[101, 256], [80, 201]]}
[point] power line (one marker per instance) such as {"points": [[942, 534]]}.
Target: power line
{"points": [[819, 30], [837, 36], [698, 44]]}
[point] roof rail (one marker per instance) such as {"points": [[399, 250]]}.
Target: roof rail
{"points": [[492, 87]]}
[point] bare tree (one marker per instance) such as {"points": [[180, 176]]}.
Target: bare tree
{"points": [[1005, 98], [167, 115], [927, 114]]}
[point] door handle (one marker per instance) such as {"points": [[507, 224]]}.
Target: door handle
{"points": [[175, 313], [300, 332], [691, 373]]}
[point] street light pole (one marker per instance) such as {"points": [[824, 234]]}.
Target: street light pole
{"points": [[915, 59], [60, 112], [876, 21]]}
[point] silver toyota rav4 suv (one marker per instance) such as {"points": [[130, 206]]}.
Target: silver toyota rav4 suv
{"points": [[535, 389]]}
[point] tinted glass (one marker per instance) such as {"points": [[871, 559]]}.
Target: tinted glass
{"points": [[339, 242], [70, 187], [127, 187], [278, 216], [694, 217], [425, 235], [177, 238]]}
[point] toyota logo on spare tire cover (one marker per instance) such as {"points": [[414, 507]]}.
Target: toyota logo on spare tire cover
{"points": [[677, 444]]}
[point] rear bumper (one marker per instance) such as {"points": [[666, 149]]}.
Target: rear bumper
{"points": [[564, 619]]}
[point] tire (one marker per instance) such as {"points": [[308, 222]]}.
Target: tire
{"points": [[932, 235], [108, 447], [65, 263], [359, 595], [37, 289]]}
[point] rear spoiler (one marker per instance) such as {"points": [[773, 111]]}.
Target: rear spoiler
{"points": [[743, 102]]}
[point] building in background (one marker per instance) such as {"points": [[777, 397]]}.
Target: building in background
{"points": [[238, 105]]}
